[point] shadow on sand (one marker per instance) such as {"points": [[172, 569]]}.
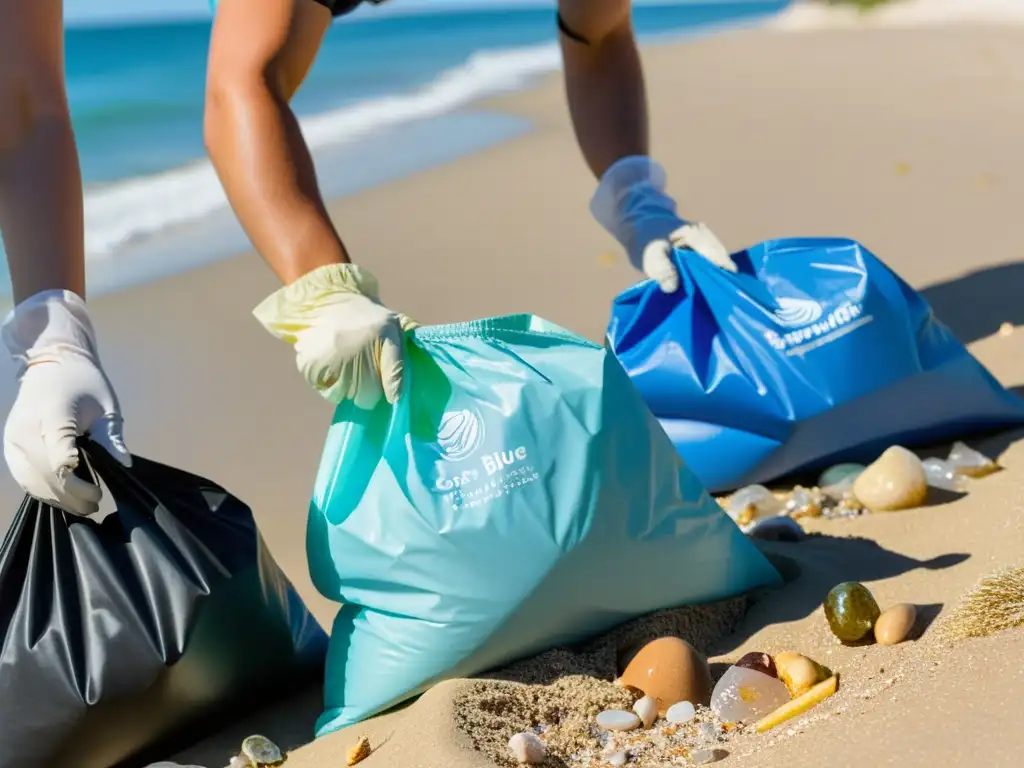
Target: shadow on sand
{"points": [[976, 304], [813, 566]]}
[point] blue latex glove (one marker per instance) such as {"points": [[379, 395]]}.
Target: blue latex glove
{"points": [[631, 204]]}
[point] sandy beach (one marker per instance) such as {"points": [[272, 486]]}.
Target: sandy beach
{"points": [[905, 139]]}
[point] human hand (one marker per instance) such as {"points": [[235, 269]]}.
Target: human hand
{"points": [[63, 394], [631, 204], [348, 346]]}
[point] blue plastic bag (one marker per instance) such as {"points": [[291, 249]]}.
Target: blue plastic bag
{"points": [[503, 506], [813, 353]]}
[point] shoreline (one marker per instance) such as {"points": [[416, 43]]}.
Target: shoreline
{"points": [[351, 168]]}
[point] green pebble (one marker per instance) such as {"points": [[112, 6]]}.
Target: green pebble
{"points": [[839, 473], [851, 611]]}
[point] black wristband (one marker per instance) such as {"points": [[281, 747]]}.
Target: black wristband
{"points": [[564, 29]]}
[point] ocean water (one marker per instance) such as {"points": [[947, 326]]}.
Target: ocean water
{"points": [[389, 94]]}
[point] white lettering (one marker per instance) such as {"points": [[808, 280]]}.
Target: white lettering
{"points": [[500, 459]]}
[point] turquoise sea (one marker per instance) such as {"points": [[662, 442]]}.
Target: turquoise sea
{"points": [[390, 94]]}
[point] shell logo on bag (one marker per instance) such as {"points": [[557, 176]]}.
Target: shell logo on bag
{"points": [[460, 434], [797, 312]]}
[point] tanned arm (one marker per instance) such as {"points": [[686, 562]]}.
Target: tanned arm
{"points": [[40, 180], [603, 80], [259, 54]]}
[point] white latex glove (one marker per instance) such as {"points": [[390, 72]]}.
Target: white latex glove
{"points": [[348, 346], [63, 393], [631, 204]]}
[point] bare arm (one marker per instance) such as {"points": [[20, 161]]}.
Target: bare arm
{"points": [[260, 52], [40, 180], [604, 81]]}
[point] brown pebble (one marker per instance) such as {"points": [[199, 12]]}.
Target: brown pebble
{"points": [[759, 662], [669, 670], [894, 625]]}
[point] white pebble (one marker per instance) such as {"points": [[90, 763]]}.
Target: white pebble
{"points": [[681, 712], [704, 756], [527, 748], [618, 758], [647, 710], [617, 720], [707, 732]]}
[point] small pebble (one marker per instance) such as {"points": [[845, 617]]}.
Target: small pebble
{"points": [[804, 503], [617, 720], [261, 751], [752, 502], [970, 462], [618, 758], [527, 748], [705, 756], [777, 529], [943, 475], [708, 732], [1006, 329], [647, 710], [681, 712], [758, 661], [851, 611], [895, 623], [895, 481], [840, 476], [745, 695]]}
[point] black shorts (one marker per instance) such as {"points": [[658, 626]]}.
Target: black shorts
{"points": [[341, 7]]}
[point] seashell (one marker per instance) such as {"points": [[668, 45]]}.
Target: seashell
{"points": [[895, 623], [618, 758], [970, 462], [799, 673], [459, 434], [851, 611], [758, 661], [617, 720], [777, 529], [261, 751], [941, 474], [359, 751], [647, 710], [527, 748], [745, 694], [681, 712], [669, 669], [895, 481]]}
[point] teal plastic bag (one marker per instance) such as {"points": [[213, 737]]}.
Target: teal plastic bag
{"points": [[520, 495]]}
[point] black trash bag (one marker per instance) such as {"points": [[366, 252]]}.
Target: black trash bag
{"points": [[158, 624]]}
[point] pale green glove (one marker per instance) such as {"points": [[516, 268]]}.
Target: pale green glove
{"points": [[348, 346]]}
